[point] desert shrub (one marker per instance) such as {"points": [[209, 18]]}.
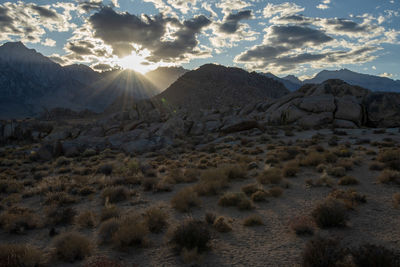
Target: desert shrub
{"points": [[330, 213], [191, 255], [132, 231], [210, 217], [275, 191], [321, 167], [185, 199], [71, 246], [17, 255], [105, 169], [221, 225], [302, 225], [191, 175], [342, 152], [372, 255], [62, 161], [101, 261], [322, 252], [59, 215], [348, 180], [291, 169], [238, 171], [350, 197], [191, 234], [376, 166], [396, 200], [336, 171], [211, 182], [86, 219], [109, 212], [270, 176], [235, 199], [107, 229], [389, 176], [253, 220], [115, 194], [155, 219], [18, 220], [89, 153], [329, 157], [390, 157], [10, 186], [59, 199], [312, 159], [149, 184], [250, 189], [260, 195], [175, 176]]}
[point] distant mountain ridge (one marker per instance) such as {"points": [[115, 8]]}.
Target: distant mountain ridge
{"points": [[163, 77], [31, 83], [374, 83]]}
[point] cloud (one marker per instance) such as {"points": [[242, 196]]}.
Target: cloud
{"points": [[231, 22], [49, 42], [29, 22], [324, 4], [386, 75], [102, 67], [228, 6], [284, 9]]}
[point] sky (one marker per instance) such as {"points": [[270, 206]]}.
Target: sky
{"points": [[282, 37]]}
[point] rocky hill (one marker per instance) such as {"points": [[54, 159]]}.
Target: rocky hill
{"points": [[163, 77], [215, 86]]}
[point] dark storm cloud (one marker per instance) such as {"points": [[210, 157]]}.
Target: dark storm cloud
{"points": [[102, 67], [6, 22], [44, 12], [284, 46], [121, 30], [231, 23], [185, 40], [297, 36]]}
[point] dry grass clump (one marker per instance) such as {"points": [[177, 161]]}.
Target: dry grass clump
{"points": [[376, 166], [390, 157], [191, 234], [233, 199], [253, 220], [71, 247], [211, 182], [322, 252], [105, 169], [396, 200], [238, 171], [210, 217], [185, 199], [348, 180], [260, 195], [10, 186], [86, 219], [330, 213], [115, 194], [275, 191], [155, 219], [131, 231], [250, 189], [389, 176], [336, 171], [59, 215], [270, 176], [372, 255], [59, 199], [17, 255], [17, 220], [312, 159], [302, 225], [108, 212], [222, 225], [291, 169], [351, 198]]}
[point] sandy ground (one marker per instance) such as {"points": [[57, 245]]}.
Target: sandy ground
{"points": [[273, 244]]}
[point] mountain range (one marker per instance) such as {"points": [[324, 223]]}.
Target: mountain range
{"points": [[31, 83], [374, 83]]}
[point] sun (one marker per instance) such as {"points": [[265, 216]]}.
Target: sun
{"points": [[135, 62]]}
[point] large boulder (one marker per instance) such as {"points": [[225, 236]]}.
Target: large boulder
{"points": [[350, 109], [383, 109]]}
